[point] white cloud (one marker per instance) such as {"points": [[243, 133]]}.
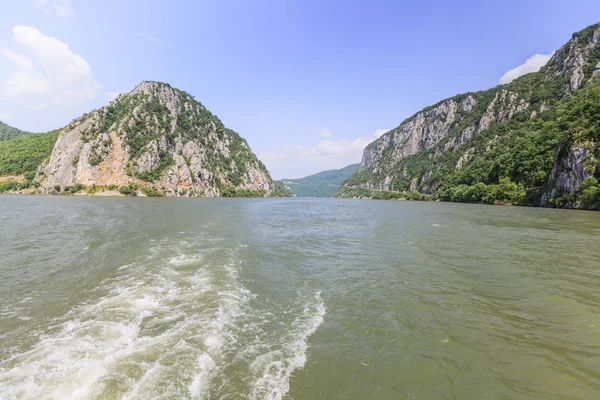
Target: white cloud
{"points": [[50, 75], [533, 64], [5, 116], [61, 8], [113, 95], [380, 132], [295, 161], [149, 38], [325, 133]]}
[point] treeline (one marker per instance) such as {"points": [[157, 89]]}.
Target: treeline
{"points": [[506, 192], [363, 193], [14, 186], [8, 132]]}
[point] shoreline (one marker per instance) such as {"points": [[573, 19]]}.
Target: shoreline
{"points": [[119, 195]]}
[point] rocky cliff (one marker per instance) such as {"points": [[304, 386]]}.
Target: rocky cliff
{"points": [[157, 140], [529, 137]]}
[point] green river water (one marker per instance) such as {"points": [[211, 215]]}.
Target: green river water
{"points": [[110, 298]]}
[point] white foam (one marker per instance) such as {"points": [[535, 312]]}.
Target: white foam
{"points": [[277, 366], [94, 338], [200, 385], [233, 302], [174, 312], [183, 260]]}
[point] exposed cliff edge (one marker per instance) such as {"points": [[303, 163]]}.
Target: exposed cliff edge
{"points": [[155, 140], [532, 141]]}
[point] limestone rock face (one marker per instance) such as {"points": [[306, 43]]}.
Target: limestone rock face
{"points": [[570, 60], [568, 173], [156, 137], [423, 131], [428, 129], [472, 137]]}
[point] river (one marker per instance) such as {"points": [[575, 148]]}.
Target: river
{"points": [[137, 298]]}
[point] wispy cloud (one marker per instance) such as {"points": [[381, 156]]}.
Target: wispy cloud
{"points": [[61, 8], [5, 116], [295, 160], [149, 38], [533, 64]]}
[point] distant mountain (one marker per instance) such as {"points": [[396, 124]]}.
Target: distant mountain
{"points": [[281, 189], [534, 141], [322, 184], [8, 132]]}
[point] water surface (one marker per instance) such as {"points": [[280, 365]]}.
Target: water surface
{"points": [[296, 299]]}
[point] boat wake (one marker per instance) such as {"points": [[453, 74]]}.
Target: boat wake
{"points": [[180, 323]]}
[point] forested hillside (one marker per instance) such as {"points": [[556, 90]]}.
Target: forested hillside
{"points": [[533, 141], [8, 132], [322, 184]]}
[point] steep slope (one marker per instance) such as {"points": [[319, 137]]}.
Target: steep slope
{"points": [[155, 140], [532, 141], [322, 184], [8, 132]]}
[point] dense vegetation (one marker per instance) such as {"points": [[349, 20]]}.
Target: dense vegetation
{"points": [[13, 185], [509, 162], [362, 193], [25, 153], [8, 132], [322, 184], [281, 190]]}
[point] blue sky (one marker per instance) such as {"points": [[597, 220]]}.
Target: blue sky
{"points": [[307, 83]]}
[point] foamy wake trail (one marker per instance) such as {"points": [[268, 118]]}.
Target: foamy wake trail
{"points": [[178, 323], [275, 368], [233, 304], [118, 340]]}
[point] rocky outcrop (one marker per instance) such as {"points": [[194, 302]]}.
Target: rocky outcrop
{"points": [[569, 171], [571, 59], [428, 128], [422, 131], [154, 137]]}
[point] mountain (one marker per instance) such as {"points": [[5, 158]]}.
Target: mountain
{"points": [[322, 184], [282, 190], [8, 132], [155, 140], [533, 141]]}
